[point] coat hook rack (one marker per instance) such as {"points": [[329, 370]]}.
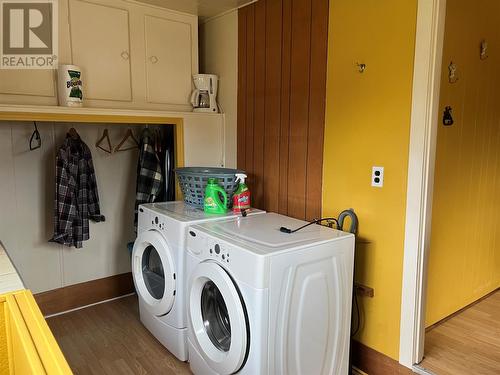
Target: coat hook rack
{"points": [[361, 67], [35, 140]]}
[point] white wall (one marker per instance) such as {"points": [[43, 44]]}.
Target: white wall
{"points": [[27, 180], [27, 199], [219, 55], [203, 140]]}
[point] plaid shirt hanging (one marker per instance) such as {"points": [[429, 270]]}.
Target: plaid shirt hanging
{"points": [[77, 199], [149, 172]]}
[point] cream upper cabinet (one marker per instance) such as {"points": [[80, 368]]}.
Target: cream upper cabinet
{"points": [[36, 86], [27, 82], [168, 60], [100, 46], [132, 55]]}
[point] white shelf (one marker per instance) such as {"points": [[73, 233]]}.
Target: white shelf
{"points": [[93, 115]]}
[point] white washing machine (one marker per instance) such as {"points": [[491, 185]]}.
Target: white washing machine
{"points": [[158, 262], [265, 302]]}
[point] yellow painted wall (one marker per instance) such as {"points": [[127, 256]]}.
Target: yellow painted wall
{"points": [[368, 124], [464, 262]]}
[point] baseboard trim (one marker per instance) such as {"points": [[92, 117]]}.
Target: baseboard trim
{"points": [[357, 371], [422, 370], [375, 363], [452, 315], [86, 306], [83, 294]]}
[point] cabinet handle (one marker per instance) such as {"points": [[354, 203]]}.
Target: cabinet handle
{"points": [[153, 59], [125, 55]]}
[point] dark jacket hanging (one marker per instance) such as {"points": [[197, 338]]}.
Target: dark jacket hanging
{"points": [[149, 172], [77, 199]]}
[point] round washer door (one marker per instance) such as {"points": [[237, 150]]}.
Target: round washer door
{"points": [[153, 271], [218, 318]]}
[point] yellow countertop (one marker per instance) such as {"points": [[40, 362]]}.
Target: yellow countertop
{"points": [[9, 277], [27, 345]]}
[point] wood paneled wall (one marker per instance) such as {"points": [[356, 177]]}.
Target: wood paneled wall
{"points": [[465, 267], [282, 52]]}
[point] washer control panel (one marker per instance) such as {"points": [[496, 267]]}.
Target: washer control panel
{"points": [[218, 251], [149, 219], [157, 222]]}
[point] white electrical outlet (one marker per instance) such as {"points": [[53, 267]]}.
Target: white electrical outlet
{"points": [[377, 176]]}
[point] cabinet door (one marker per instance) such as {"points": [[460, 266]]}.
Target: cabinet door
{"points": [[27, 82], [100, 46], [169, 60]]}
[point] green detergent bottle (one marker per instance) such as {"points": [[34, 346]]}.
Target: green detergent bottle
{"points": [[213, 203]]}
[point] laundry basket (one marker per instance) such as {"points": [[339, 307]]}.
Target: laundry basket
{"points": [[193, 181]]}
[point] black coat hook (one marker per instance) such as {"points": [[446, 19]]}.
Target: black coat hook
{"points": [[35, 140], [447, 117]]}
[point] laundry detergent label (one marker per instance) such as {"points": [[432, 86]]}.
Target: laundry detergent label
{"points": [[210, 203]]}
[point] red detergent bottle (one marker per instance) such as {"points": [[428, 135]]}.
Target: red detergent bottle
{"points": [[241, 197]]}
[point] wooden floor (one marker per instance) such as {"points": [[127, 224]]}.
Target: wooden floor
{"points": [[468, 343], [110, 339]]}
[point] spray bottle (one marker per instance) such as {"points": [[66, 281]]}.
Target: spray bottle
{"points": [[241, 197]]}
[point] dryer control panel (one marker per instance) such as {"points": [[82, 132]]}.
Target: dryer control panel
{"points": [[244, 264], [208, 247]]}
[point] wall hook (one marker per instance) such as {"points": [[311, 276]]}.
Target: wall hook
{"points": [[447, 117], [483, 52], [452, 73], [361, 67], [35, 140]]}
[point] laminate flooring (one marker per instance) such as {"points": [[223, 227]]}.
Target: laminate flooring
{"points": [[468, 343], [109, 339]]}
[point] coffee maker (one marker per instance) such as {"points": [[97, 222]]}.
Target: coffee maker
{"points": [[205, 93]]}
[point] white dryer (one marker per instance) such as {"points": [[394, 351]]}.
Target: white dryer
{"points": [[158, 261], [265, 302]]}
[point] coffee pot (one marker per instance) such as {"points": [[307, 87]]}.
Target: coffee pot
{"points": [[204, 95]]}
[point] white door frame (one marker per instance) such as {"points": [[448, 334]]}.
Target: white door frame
{"points": [[424, 122]]}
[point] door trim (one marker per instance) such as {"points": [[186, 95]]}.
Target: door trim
{"points": [[424, 120]]}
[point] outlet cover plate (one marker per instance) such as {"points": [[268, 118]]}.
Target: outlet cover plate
{"points": [[378, 177]]}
